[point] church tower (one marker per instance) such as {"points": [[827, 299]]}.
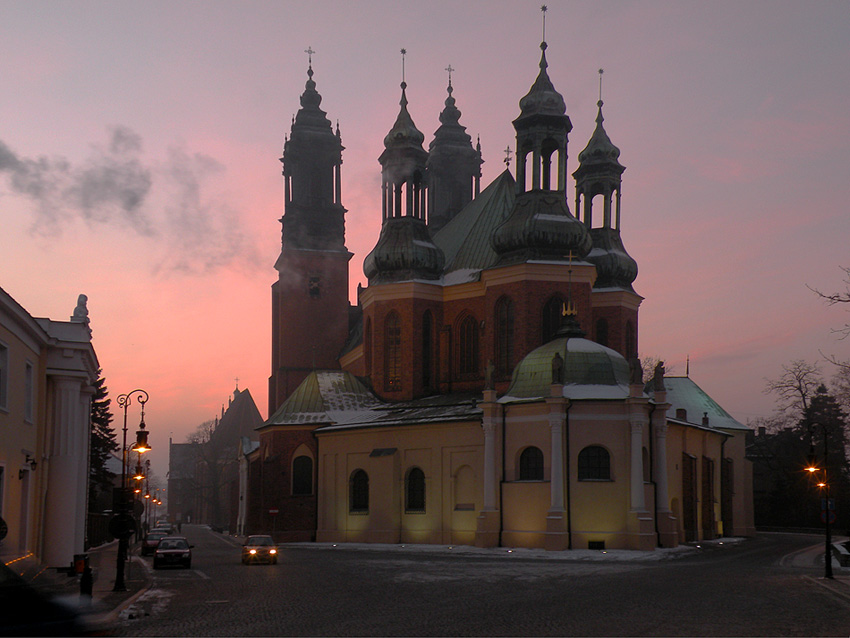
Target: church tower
{"points": [[615, 303], [310, 297], [454, 167]]}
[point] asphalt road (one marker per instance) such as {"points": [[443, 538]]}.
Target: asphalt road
{"points": [[765, 586]]}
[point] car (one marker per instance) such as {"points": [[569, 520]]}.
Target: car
{"points": [[164, 526], [259, 549], [172, 550], [151, 541]]}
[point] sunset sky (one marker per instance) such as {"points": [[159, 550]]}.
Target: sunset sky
{"points": [[139, 147]]}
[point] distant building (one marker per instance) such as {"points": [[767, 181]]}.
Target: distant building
{"points": [[485, 389], [47, 372]]}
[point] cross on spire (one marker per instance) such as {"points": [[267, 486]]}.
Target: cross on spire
{"points": [[309, 51], [601, 71], [507, 159], [544, 9], [403, 53], [450, 69]]}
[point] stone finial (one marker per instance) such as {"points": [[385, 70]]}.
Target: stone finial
{"points": [[488, 375], [557, 368], [658, 377], [81, 312], [635, 371]]}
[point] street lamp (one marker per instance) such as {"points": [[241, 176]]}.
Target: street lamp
{"points": [[124, 523], [824, 485]]}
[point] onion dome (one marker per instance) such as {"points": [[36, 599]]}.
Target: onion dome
{"points": [[310, 116], [588, 370], [542, 99], [600, 149], [615, 268], [404, 252], [404, 133]]}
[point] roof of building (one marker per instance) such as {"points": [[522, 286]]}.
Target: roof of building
{"points": [[589, 371], [240, 419], [465, 240], [683, 393]]}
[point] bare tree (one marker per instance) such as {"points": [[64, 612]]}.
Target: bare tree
{"points": [[838, 298], [795, 386]]}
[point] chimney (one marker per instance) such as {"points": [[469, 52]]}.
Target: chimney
{"points": [[682, 413]]}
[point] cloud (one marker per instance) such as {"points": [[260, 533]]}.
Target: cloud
{"points": [[172, 202]]}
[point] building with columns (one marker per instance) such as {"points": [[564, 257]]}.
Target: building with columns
{"points": [[485, 389], [47, 372]]}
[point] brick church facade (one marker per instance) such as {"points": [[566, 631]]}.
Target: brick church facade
{"points": [[485, 388]]}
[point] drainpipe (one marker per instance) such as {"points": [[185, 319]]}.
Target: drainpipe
{"points": [[502, 480], [652, 474], [567, 469]]}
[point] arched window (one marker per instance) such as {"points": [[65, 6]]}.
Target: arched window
{"points": [[414, 490], [594, 464], [531, 464], [427, 350], [602, 331], [358, 491], [631, 346], [468, 347], [367, 345], [504, 337], [302, 476], [552, 316], [392, 351]]}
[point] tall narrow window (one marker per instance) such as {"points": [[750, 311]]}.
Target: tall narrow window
{"points": [[552, 315], [302, 476], [392, 351], [359, 491], [531, 464], [594, 464], [631, 346], [427, 350], [468, 347], [4, 377], [602, 331], [367, 345], [29, 392], [415, 490], [504, 336]]}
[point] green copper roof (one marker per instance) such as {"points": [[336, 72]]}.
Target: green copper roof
{"points": [[465, 240], [683, 393], [590, 371], [321, 397]]}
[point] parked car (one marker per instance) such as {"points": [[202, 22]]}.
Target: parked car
{"points": [[172, 550], [164, 526], [151, 541], [259, 549]]}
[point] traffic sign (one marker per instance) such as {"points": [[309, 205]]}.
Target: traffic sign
{"points": [[831, 504], [831, 516]]}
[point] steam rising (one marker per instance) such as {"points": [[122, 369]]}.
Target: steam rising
{"points": [[166, 202]]}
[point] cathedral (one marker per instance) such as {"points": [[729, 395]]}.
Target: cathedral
{"points": [[485, 389]]}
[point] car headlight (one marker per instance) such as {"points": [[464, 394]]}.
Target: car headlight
{"points": [[272, 551], [186, 554], [252, 551]]}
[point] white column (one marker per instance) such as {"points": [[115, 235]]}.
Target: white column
{"points": [[660, 428], [556, 425], [637, 465], [489, 425]]}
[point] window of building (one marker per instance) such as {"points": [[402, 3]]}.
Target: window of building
{"points": [[415, 490], [602, 331], [4, 377], [392, 351], [468, 347], [631, 346], [552, 315], [531, 464], [367, 345], [302, 476], [504, 336], [594, 464], [358, 489], [29, 392]]}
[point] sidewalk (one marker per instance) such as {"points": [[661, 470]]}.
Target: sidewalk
{"points": [[106, 604]]}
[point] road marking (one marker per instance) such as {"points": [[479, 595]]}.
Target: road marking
{"points": [[201, 574]]}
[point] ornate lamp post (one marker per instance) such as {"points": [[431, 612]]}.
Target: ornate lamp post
{"points": [[824, 485], [123, 523]]}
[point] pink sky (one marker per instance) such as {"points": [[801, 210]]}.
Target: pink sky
{"points": [[139, 165]]}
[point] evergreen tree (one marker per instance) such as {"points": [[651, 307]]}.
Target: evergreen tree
{"points": [[103, 442]]}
